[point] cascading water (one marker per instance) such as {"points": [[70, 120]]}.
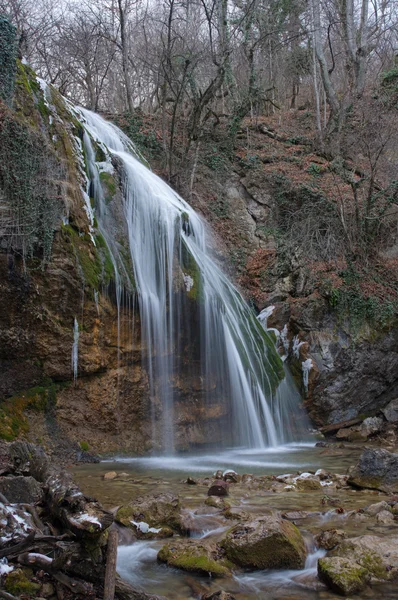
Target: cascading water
{"points": [[194, 323], [75, 349]]}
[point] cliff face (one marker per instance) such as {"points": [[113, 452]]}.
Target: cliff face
{"points": [[50, 295], [47, 286], [341, 317]]}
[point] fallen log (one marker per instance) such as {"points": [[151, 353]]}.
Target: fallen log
{"points": [[341, 425]]}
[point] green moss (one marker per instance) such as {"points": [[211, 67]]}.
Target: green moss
{"points": [[18, 583], [95, 261], [190, 268], [84, 446], [13, 420], [193, 559], [342, 575], [109, 184]]}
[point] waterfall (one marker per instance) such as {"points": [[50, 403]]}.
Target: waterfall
{"points": [[75, 349], [194, 323]]}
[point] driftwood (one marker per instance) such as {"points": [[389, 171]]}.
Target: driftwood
{"points": [[110, 572], [342, 424], [17, 548]]}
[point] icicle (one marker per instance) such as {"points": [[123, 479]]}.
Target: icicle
{"points": [[75, 349], [264, 315], [284, 340], [296, 347], [306, 367]]}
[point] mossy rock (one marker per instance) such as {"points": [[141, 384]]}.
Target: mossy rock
{"points": [[17, 583], [162, 511], [343, 575], [377, 555], [269, 542], [195, 557], [308, 485]]}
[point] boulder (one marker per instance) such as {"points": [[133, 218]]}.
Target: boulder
{"points": [[371, 425], [391, 411], [20, 490], [161, 511], [329, 538], [374, 509], [269, 542], [308, 484], [196, 557], [379, 556], [377, 469], [385, 517], [110, 475], [342, 575], [218, 488]]}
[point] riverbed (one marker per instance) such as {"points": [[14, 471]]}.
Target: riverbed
{"points": [[326, 508]]}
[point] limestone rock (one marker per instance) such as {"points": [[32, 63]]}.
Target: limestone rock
{"points": [[379, 556], [330, 538], [110, 475], [195, 557], [20, 489], [308, 484], [391, 411], [374, 509], [384, 517], [161, 511], [376, 469], [269, 542], [342, 575]]}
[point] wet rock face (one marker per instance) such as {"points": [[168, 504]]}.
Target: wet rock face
{"points": [[266, 543], [376, 469]]}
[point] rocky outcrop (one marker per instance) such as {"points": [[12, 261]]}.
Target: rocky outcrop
{"points": [[269, 542], [376, 469]]}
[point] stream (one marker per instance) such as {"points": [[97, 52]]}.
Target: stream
{"points": [[137, 560]]}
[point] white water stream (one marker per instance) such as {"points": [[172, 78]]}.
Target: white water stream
{"points": [[193, 320]]}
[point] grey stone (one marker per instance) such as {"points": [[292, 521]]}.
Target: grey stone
{"points": [[21, 489], [391, 411], [377, 469]]}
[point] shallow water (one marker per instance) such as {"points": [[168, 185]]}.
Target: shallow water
{"points": [[137, 561]]}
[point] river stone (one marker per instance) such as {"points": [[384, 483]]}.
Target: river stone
{"points": [[391, 411], [374, 509], [218, 488], [377, 469], [378, 555], [196, 557], [342, 575], [269, 542], [384, 517], [110, 475], [25, 490], [161, 511], [329, 538], [308, 485]]}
